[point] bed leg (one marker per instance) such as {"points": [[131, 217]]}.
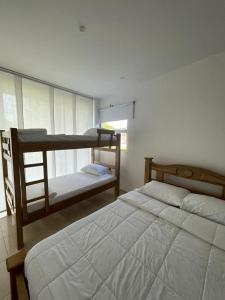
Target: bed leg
{"points": [[13, 286], [117, 190], [15, 266], [19, 231]]}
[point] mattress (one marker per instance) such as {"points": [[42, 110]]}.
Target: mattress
{"points": [[64, 187], [54, 138], [135, 248]]}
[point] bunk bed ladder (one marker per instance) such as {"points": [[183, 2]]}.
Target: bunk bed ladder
{"points": [[24, 183]]}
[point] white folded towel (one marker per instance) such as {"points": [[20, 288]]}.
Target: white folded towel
{"points": [[32, 131]]}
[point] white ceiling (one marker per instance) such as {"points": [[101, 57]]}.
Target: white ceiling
{"points": [[137, 39]]}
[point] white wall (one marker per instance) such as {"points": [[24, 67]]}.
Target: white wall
{"points": [[180, 118]]}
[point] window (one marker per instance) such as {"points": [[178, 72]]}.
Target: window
{"points": [[119, 127]]}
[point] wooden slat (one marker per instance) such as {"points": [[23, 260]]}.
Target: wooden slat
{"points": [[62, 145], [160, 176], [23, 186], [34, 182], [9, 185], [46, 180], [36, 199], [9, 196], [148, 169], [15, 261], [105, 131], [10, 201], [15, 149], [6, 134], [117, 165], [6, 147], [15, 266], [6, 157], [5, 172], [22, 292], [33, 165]]}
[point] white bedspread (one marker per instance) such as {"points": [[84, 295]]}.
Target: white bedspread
{"points": [[64, 187], [136, 248]]}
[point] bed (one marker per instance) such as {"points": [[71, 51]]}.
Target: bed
{"points": [[138, 247], [35, 199], [65, 187]]}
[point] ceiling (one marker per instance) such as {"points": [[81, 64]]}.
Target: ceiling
{"points": [[135, 39]]}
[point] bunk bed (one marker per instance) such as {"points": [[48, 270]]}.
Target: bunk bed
{"points": [[15, 143]]}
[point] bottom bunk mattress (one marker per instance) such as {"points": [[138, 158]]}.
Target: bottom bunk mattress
{"points": [[136, 248], [64, 187]]}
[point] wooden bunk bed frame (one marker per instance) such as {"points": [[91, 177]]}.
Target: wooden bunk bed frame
{"points": [[15, 263], [15, 192]]}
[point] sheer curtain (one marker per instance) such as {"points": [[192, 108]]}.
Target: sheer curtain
{"points": [[84, 120], [8, 116], [37, 114], [28, 104], [64, 105]]}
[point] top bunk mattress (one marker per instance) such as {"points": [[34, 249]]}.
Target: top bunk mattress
{"points": [[29, 138], [37, 135], [64, 187]]}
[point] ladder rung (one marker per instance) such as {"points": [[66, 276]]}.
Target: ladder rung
{"points": [[9, 185], [9, 197], [5, 146], [6, 156], [37, 198], [34, 182], [33, 165]]}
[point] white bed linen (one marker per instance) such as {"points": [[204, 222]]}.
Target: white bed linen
{"points": [[136, 248], [65, 187]]}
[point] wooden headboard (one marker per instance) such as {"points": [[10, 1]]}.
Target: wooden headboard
{"points": [[184, 171]]}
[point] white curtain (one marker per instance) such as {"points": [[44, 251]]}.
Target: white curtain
{"points": [[37, 114], [84, 120], [8, 117], [27, 104], [64, 105]]}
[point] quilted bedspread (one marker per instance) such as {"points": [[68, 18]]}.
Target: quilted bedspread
{"points": [[135, 248]]}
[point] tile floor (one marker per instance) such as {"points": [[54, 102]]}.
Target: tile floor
{"points": [[41, 229]]}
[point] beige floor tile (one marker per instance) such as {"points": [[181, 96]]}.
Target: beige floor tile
{"points": [[1, 234], [4, 282], [3, 251], [8, 225], [7, 297], [11, 244]]}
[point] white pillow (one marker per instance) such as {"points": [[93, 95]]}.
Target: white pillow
{"points": [[165, 192], [211, 208], [91, 131], [95, 169]]}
